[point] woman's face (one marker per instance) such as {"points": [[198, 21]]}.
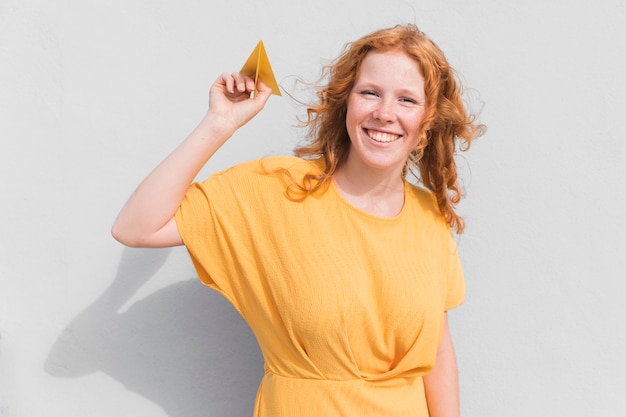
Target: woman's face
{"points": [[385, 109]]}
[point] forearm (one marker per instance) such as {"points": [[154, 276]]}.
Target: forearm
{"points": [[147, 219], [442, 383], [155, 201]]}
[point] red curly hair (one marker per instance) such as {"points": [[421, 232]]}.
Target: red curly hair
{"points": [[446, 122]]}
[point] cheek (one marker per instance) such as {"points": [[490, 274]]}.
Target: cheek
{"points": [[359, 109], [412, 121], [353, 116], [418, 118]]}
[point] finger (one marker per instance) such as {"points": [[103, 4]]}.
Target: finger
{"points": [[262, 87], [263, 92], [250, 84], [241, 82], [228, 82]]}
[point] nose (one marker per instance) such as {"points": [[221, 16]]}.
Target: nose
{"points": [[384, 112]]}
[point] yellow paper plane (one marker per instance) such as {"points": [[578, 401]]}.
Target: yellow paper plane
{"points": [[258, 65]]}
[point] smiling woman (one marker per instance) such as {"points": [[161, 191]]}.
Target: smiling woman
{"points": [[445, 126], [343, 269], [385, 110]]}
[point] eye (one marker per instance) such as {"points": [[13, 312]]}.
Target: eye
{"points": [[408, 100], [370, 93]]}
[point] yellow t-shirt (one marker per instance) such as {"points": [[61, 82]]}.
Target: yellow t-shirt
{"points": [[347, 307]]}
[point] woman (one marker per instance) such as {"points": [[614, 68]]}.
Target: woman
{"points": [[342, 268]]}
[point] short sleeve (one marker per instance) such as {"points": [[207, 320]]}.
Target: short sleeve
{"points": [[210, 231], [226, 223], [455, 294]]}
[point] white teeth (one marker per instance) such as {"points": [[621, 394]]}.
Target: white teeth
{"points": [[381, 136]]}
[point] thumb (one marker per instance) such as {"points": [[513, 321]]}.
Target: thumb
{"points": [[263, 92]]}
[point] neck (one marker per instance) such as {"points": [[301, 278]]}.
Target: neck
{"points": [[379, 193]]}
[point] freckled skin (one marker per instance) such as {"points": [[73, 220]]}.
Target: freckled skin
{"points": [[385, 109]]}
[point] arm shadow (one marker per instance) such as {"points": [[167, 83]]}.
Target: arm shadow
{"points": [[183, 347]]}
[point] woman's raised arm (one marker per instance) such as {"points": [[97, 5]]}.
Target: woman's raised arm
{"points": [[147, 218]]}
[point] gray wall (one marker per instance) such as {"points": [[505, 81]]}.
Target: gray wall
{"points": [[94, 94]]}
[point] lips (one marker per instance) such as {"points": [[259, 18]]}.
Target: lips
{"points": [[382, 137]]}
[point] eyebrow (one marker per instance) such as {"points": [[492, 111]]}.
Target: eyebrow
{"points": [[375, 86]]}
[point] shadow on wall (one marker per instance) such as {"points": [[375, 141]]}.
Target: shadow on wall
{"points": [[183, 347]]}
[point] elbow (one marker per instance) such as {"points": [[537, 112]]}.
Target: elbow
{"points": [[135, 234], [121, 234], [135, 237]]}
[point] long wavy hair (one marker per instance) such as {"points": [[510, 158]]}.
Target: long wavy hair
{"points": [[445, 125]]}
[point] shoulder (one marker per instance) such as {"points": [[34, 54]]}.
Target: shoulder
{"points": [[422, 195], [261, 173], [293, 164], [425, 201], [272, 164]]}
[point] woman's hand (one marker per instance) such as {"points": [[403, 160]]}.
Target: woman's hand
{"points": [[230, 99]]}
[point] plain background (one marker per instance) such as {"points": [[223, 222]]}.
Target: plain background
{"points": [[93, 94]]}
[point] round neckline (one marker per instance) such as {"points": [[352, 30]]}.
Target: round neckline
{"points": [[364, 213]]}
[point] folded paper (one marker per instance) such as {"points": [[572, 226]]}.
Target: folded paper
{"points": [[258, 65]]}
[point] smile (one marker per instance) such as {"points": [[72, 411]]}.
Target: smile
{"points": [[382, 136]]}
